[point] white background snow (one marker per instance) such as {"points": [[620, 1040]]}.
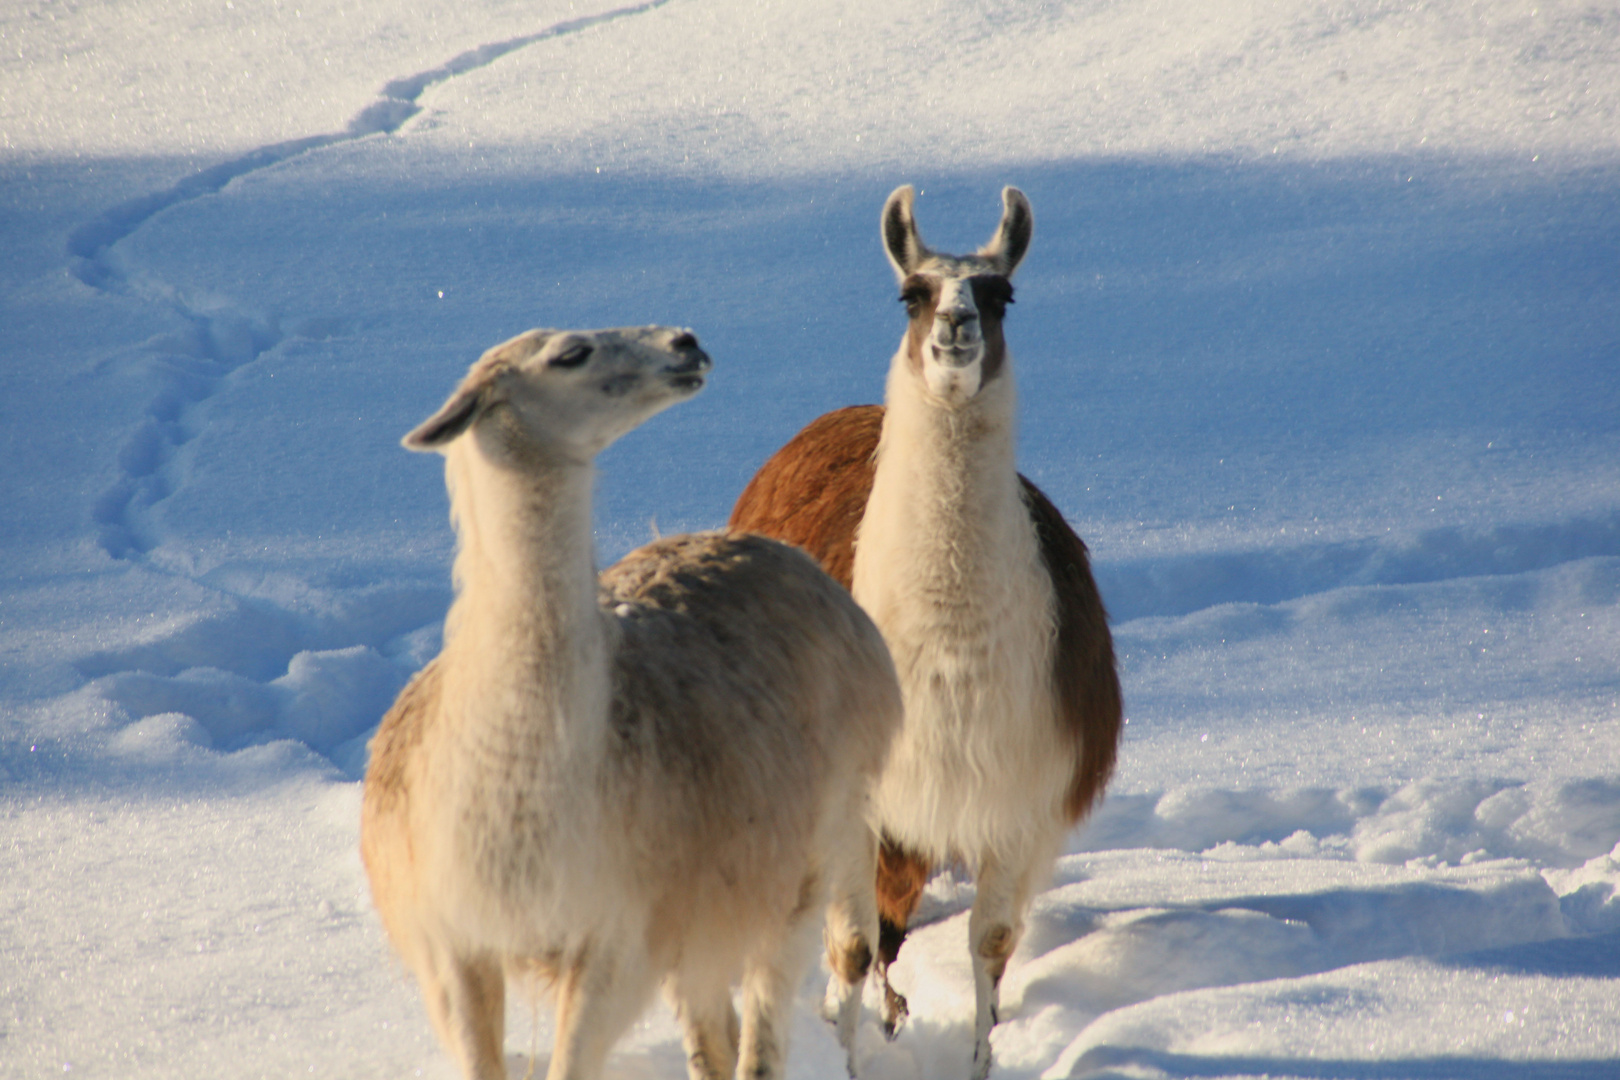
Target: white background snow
{"points": [[1318, 346]]}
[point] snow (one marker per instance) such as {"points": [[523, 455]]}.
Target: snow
{"points": [[1318, 345]]}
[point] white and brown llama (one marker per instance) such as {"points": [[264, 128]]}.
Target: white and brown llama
{"points": [[656, 778], [981, 589]]}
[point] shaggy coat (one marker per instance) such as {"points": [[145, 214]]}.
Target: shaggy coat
{"points": [[658, 777], [983, 593], [812, 494]]}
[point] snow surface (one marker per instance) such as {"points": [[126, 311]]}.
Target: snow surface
{"points": [[1319, 347]]}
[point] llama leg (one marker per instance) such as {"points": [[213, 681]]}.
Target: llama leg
{"points": [[850, 931], [768, 988], [466, 1000], [901, 877], [599, 997], [994, 927], [709, 1033]]}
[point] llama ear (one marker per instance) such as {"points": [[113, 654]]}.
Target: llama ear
{"points": [[454, 418], [456, 415], [1007, 248], [900, 239]]}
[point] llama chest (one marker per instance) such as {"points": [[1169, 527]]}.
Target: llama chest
{"points": [[511, 854], [980, 761]]}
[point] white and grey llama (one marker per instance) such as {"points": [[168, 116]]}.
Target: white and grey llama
{"points": [[656, 778]]}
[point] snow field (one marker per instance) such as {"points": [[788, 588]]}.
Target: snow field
{"points": [[1316, 346]]}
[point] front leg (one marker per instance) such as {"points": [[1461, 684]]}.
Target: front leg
{"points": [[902, 875], [466, 1000], [770, 979], [994, 927], [709, 1032], [600, 995], [850, 932]]}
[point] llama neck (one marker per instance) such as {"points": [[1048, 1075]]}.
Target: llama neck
{"points": [[525, 617], [945, 551], [951, 467]]}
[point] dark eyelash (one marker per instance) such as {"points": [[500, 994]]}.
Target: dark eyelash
{"points": [[913, 297], [993, 294], [573, 358]]}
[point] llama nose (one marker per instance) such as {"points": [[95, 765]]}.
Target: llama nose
{"points": [[956, 328], [693, 359]]}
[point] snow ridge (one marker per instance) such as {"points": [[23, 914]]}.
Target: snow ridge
{"points": [[1181, 585]]}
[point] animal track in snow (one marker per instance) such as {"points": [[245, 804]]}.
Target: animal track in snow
{"points": [[332, 673], [89, 244], [220, 339]]}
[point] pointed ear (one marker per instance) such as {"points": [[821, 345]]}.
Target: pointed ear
{"points": [[456, 415], [1007, 248], [452, 419], [901, 242]]}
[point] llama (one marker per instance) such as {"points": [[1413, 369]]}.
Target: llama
{"points": [[981, 589], [658, 777]]}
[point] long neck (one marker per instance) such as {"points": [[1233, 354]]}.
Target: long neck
{"points": [[525, 619], [951, 464], [945, 524]]}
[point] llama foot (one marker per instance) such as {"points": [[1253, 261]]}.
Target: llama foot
{"points": [[831, 1002], [981, 1061], [981, 1047], [895, 1011]]}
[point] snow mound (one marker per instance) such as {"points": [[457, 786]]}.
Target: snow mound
{"points": [[1554, 823]]}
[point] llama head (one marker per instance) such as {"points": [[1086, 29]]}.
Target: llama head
{"points": [[956, 302], [566, 394]]}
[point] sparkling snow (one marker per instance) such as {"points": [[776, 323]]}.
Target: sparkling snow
{"points": [[1318, 346]]}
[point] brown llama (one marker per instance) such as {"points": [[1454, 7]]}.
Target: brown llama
{"points": [[983, 593]]}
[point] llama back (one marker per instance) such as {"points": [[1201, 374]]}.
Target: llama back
{"points": [[812, 492], [794, 709], [786, 644]]}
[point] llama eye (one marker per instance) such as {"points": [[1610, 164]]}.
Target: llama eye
{"points": [[992, 295], [573, 357]]}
